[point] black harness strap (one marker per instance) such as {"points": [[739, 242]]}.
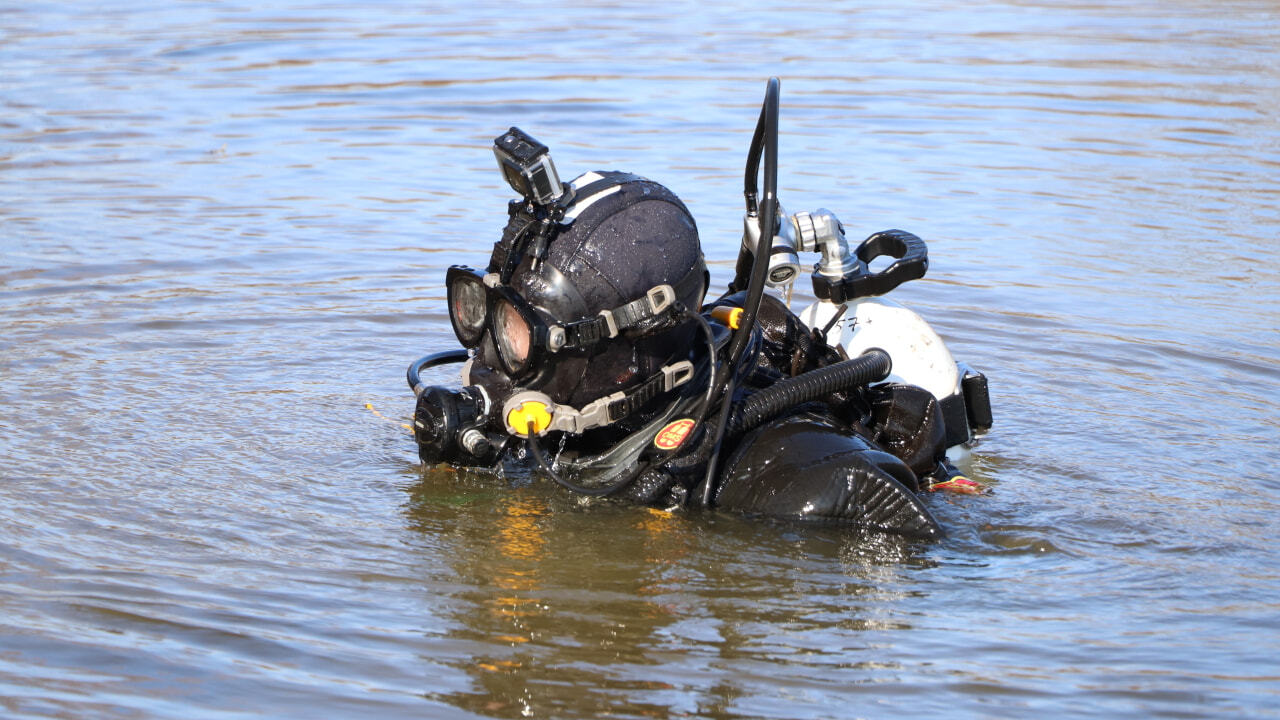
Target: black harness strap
{"points": [[584, 333], [668, 378]]}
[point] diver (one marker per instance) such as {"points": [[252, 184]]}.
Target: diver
{"points": [[590, 350]]}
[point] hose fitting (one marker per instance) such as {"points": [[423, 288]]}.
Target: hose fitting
{"points": [[821, 231]]}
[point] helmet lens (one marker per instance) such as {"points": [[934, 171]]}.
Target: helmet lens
{"points": [[467, 309], [513, 335]]}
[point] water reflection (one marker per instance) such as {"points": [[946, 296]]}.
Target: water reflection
{"points": [[565, 607]]}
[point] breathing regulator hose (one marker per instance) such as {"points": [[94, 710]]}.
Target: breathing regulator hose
{"points": [[536, 451], [430, 361], [766, 134], [763, 142], [871, 366]]}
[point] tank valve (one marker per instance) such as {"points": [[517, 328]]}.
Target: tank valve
{"points": [[784, 264]]}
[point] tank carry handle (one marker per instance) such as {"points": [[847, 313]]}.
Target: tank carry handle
{"points": [[912, 263]]}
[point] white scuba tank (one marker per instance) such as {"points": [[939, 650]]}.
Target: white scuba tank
{"points": [[919, 355]]}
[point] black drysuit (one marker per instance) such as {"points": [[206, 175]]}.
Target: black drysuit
{"points": [[859, 457]]}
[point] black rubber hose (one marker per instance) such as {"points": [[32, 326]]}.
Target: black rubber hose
{"points": [[763, 405], [536, 451], [767, 130], [763, 142], [430, 361]]}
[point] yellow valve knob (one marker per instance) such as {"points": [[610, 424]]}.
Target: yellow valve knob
{"points": [[530, 413], [730, 316]]}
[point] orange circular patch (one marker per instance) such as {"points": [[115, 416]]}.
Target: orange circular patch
{"points": [[670, 437]]}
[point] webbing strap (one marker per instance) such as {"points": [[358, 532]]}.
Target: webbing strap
{"points": [[612, 408], [609, 323], [671, 376], [607, 180]]}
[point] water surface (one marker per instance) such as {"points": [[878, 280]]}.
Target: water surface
{"points": [[223, 229]]}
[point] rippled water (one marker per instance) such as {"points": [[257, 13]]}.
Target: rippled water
{"points": [[222, 232]]}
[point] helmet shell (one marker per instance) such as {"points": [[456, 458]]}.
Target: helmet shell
{"points": [[622, 236]]}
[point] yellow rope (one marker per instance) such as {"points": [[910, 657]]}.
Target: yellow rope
{"points": [[370, 408]]}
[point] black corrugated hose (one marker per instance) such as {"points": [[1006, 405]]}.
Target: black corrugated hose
{"points": [[871, 366]]}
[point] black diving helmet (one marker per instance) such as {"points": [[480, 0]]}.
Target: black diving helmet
{"points": [[585, 297], [584, 323]]}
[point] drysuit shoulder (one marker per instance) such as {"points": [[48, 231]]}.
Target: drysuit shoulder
{"points": [[810, 467]]}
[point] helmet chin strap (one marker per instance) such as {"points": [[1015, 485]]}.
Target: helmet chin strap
{"points": [[529, 412]]}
